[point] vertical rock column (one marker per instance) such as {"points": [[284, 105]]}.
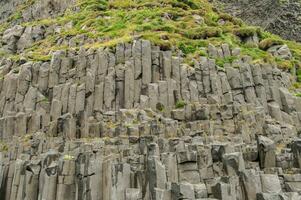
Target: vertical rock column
{"points": [[95, 171], [296, 148], [129, 85], [248, 83], [266, 149], [66, 179], [48, 177], [156, 174], [121, 180], [259, 85], [137, 56], [32, 180], [18, 184]]}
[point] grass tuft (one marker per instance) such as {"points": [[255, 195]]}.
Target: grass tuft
{"points": [[269, 42]]}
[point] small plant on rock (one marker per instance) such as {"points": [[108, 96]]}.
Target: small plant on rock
{"points": [[160, 107], [269, 42], [246, 31], [180, 104]]}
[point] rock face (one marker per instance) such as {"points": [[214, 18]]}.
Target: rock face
{"points": [[279, 17], [137, 123], [16, 38], [34, 9]]}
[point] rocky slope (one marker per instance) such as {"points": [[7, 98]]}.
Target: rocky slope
{"points": [[279, 17], [212, 116]]}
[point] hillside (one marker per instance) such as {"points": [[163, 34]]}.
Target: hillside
{"points": [[186, 25], [145, 100]]}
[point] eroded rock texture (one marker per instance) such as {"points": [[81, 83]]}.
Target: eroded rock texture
{"points": [[137, 123], [276, 16], [33, 9]]}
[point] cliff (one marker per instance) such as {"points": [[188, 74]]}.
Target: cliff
{"points": [[152, 100]]}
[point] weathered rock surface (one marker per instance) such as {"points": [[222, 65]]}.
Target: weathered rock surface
{"points": [[103, 124], [34, 9], [279, 17]]}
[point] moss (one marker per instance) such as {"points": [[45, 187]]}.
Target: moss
{"points": [[111, 125], [222, 61], [3, 27], [3, 146], [180, 5], [298, 74], [45, 100], [269, 42], [295, 47], [93, 5], [202, 52], [256, 53], [160, 107], [203, 33], [39, 57], [187, 49], [296, 85], [298, 94], [180, 104], [211, 18], [190, 3], [244, 32], [162, 40], [284, 64], [230, 18], [16, 16], [68, 157]]}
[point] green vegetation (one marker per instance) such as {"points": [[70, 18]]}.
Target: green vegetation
{"points": [[221, 61], [17, 15], [246, 31], [160, 107], [3, 146], [269, 42], [298, 75], [180, 104], [187, 25], [68, 157], [166, 23], [203, 33], [298, 94], [230, 18], [45, 99]]}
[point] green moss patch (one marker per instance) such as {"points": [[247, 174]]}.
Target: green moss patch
{"points": [[244, 32], [269, 42]]}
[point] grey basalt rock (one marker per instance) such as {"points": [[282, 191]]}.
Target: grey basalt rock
{"points": [[280, 18], [270, 183], [233, 163], [282, 52], [296, 148], [135, 122], [182, 191], [266, 150], [11, 37], [287, 100], [251, 183]]}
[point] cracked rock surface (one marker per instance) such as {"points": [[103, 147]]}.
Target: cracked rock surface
{"points": [[279, 17], [137, 123]]}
